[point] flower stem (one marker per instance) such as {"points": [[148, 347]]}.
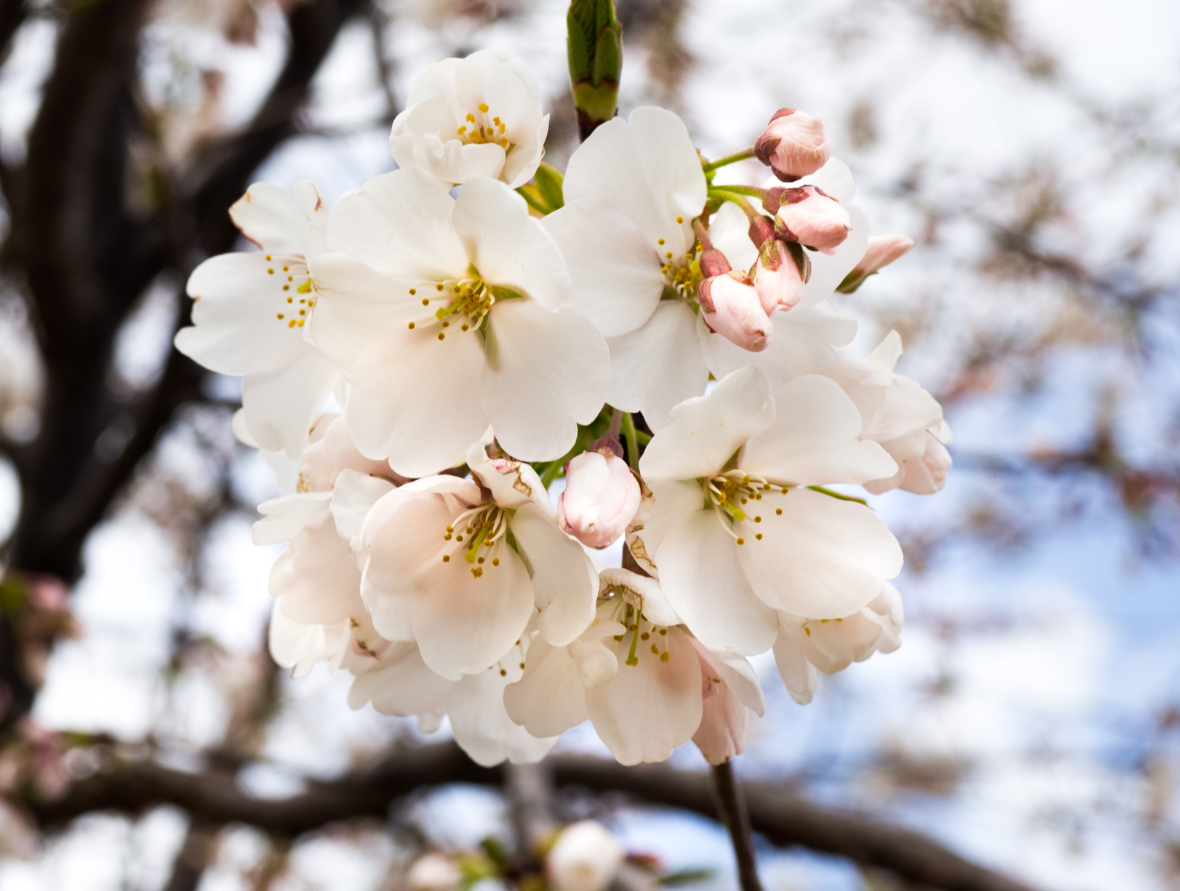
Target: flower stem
{"points": [[731, 807], [728, 159], [632, 441], [725, 192]]}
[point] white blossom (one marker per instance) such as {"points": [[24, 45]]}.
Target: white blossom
{"points": [[249, 312], [585, 857], [734, 532], [476, 116], [447, 315]]}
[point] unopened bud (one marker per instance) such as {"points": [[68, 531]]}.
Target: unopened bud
{"points": [[793, 145], [882, 250], [928, 474], [782, 270], [584, 858], [761, 230], [600, 498], [434, 872], [811, 217], [714, 263], [731, 307]]}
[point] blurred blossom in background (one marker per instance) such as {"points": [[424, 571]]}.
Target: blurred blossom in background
{"points": [[1031, 718]]}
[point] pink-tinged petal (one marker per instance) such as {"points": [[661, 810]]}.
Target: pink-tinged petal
{"points": [[705, 432], [822, 557], [511, 483], [738, 674], [551, 375], [353, 496], [721, 735], [565, 584], [508, 247], [399, 223], [315, 580], [650, 708], [483, 729], [658, 365], [670, 501], [617, 277], [548, 699], [813, 440], [414, 399], [236, 309], [704, 582], [271, 217], [282, 518], [280, 405], [299, 647], [399, 683]]}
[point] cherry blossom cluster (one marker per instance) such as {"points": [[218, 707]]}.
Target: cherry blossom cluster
{"points": [[425, 360]]}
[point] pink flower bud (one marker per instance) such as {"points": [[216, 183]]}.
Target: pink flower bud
{"points": [[882, 250], [600, 498], [811, 217], [731, 307], [793, 145], [780, 274]]}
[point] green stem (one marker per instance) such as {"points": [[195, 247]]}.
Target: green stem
{"points": [[832, 494], [533, 202], [728, 159], [721, 192], [629, 434]]}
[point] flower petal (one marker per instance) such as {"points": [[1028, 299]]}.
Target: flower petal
{"points": [[271, 217], [828, 270], [400, 684], [548, 699], [412, 400], [821, 558], [703, 433], [703, 580], [565, 584], [483, 729], [813, 439], [279, 406], [551, 376]]}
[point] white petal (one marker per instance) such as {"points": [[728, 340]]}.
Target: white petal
{"points": [[564, 581], [235, 314], [271, 217], [672, 500], [400, 684], [552, 375], [658, 365], [617, 277], [299, 647], [279, 406], [548, 699], [702, 579], [739, 675], [283, 518], [647, 168], [399, 223], [705, 432], [353, 496], [315, 580], [482, 727], [649, 709], [834, 178], [798, 674], [413, 400], [654, 606], [508, 247], [821, 558], [813, 439]]}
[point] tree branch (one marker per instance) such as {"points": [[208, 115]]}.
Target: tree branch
{"points": [[782, 817]]}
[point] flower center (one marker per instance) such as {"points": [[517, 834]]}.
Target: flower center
{"points": [[627, 610], [481, 129], [682, 273], [734, 498], [479, 534], [296, 297], [459, 304]]}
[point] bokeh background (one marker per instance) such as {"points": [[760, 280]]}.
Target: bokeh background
{"points": [[1031, 719]]}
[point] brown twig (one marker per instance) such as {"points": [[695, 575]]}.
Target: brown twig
{"points": [[731, 808]]}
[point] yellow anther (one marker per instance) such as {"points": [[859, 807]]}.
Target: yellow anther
{"points": [[426, 301], [483, 106], [496, 120], [413, 291], [470, 117], [441, 336], [741, 540], [778, 511], [668, 255], [655, 651], [663, 631], [291, 324], [285, 268], [503, 671], [301, 323], [280, 315], [461, 130], [268, 256], [785, 490], [270, 272], [305, 288], [286, 287], [807, 631], [411, 326], [464, 326], [661, 241], [758, 535], [438, 287], [290, 299], [303, 312], [645, 635], [663, 657], [479, 559], [757, 519], [446, 558], [680, 219], [496, 562]]}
